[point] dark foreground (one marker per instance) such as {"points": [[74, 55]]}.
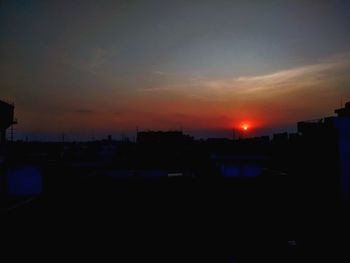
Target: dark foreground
{"points": [[177, 220]]}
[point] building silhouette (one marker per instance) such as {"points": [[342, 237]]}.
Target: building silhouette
{"points": [[326, 147], [342, 124], [6, 119], [162, 137]]}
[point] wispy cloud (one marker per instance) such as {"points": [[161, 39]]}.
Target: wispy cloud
{"points": [[284, 81], [293, 74]]}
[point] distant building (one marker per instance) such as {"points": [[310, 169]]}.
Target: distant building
{"points": [[6, 119], [162, 137], [313, 127], [294, 137], [280, 137]]}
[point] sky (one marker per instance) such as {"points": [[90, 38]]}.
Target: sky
{"points": [[92, 68]]}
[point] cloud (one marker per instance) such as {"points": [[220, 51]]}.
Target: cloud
{"points": [[280, 82]]}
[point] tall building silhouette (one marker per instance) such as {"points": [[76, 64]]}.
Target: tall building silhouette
{"points": [[342, 123], [326, 146]]}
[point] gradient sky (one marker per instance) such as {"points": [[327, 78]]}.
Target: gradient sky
{"points": [[100, 67]]}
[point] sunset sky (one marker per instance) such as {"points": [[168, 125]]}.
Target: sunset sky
{"points": [[90, 68]]}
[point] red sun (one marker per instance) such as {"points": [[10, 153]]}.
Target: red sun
{"points": [[245, 127]]}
